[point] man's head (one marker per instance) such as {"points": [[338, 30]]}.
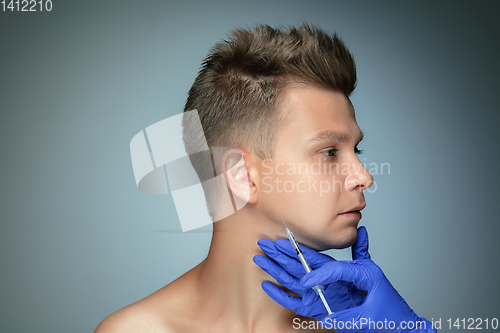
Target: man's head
{"points": [[251, 93]]}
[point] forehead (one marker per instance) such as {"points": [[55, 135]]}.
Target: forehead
{"points": [[310, 110]]}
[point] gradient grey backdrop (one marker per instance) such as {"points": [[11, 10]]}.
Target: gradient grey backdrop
{"points": [[78, 241]]}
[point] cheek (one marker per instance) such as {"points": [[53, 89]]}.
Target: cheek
{"points": [[301, 197], [309, 205]]}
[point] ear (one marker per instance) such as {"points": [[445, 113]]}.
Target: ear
{"points": [[237, 177]]}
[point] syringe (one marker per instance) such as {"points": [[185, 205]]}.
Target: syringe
{"points": [[318, 289]]}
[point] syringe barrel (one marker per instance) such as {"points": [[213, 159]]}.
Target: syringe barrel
{"points": [[304, 263]]}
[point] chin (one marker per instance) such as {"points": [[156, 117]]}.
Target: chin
{"points": [[340, 240]]}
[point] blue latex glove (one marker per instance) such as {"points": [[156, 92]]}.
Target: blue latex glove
{"points": [[287, 270], [382, 304]]}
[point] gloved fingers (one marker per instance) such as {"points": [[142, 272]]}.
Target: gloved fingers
{"points": [[335, 293], [347, 271], [291, 265], [281, 297], [314, 258], [278, 273], [309, 297], [360, 248], [286, 247], [292, 302]]}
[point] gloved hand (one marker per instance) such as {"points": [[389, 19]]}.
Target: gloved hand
{"points": [[383, 304], [287, 270]]}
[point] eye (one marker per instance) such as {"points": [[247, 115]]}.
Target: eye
{"points": [[330, 152], [357, 151]]}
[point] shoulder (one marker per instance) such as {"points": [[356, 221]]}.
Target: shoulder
{"points": [[132, 318], [164, 311], [145, 315]]}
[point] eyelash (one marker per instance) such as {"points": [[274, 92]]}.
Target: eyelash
{"points": [[334, 150]]}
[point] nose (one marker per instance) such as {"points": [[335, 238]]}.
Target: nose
{"points": [[358, 177]]}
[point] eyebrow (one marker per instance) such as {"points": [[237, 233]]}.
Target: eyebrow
{"points": [[334, 136]]}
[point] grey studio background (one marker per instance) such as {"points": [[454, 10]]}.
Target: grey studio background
{"points": [[79, 241]]}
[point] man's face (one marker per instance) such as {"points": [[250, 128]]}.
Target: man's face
{"points": [[315, 174]]}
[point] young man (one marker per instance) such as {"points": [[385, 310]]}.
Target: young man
{"points": [[279, 99]]}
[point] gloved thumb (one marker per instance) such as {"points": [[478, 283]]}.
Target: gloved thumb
{"points": [[360, 248]]}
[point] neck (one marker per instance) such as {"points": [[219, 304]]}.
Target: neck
{"points": [[231, 282]]}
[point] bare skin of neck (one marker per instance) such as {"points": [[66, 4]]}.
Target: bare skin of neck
{"points": [[227, 294]]}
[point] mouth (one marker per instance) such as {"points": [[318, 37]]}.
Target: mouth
{"points": [[355, 210], [354, 213], [351, 212]]}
